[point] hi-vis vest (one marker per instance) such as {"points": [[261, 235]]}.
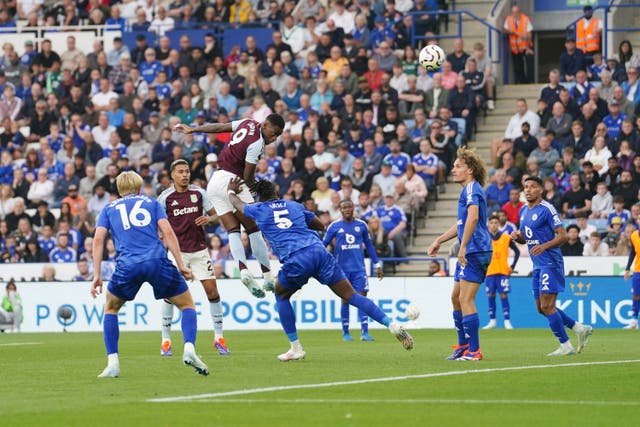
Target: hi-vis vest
{"points": [[500, 257], [588, 37], [518, 42]]}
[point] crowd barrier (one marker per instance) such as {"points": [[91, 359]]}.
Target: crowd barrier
{"points": [[603, 302]]}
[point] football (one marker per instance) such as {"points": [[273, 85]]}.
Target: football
{"points": [[412, 312], [432, 57]]}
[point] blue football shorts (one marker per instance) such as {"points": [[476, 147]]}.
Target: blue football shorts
{"points": [[163, 276], [313, 261], [497, 284], [358, 280], [476, 269], [635, 284], [547, 280]]}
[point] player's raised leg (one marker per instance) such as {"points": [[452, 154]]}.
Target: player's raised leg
{"points": [[232, 225], [364, 323], [259, 248]]}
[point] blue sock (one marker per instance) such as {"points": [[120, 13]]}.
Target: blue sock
{"points": [[111, 332], [369, 307], [364, 322], [457, 321], [566, 319], [635, 306], [557, 327], [492, 307], [189, 325], [471, 324], [287, 318], [344, 317], [505, 307]]}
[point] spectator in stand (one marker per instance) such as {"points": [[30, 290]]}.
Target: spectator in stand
{"points": [[551, 92], [63, 252], [580, 142], [599, 155], [545, 156], [461, 102], [512, 207], [385, 180], [602, 202], [497, 193], [627, 189], [458, 58], [571, 60], [626, 106], [448, 76], [595, 246], [580, 91], [551, 193], [573, 246], [560, 122], [394, 221], [41, 190], [631, 87], [618, 212], [514, 128], [614, 120], [577, 200], [518, 27]]}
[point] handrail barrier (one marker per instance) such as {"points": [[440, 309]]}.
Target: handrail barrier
{"points": [[444, 262], [605, 24]]}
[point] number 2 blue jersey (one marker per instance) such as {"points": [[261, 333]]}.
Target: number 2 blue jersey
{"points": [[537, 225], [472, 194], [133, 223], [284, 224], [350, 237]]}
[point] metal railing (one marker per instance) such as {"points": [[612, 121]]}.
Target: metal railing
{"points": [[491, 31], [605, 24], [444, 262]]}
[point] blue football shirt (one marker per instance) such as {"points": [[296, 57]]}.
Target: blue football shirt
{"points": [[537, 225], [285, 224], [350, 237], [133, 223], [472, 194]]}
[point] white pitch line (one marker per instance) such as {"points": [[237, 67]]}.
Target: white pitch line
{"points": [[15, 344], [378, 380], [440, 401]]}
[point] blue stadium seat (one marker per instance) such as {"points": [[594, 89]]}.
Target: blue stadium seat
{"points": [[129, 38], [196, 36], [237, 36]]}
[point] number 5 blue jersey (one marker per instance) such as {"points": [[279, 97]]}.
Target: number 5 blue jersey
{"points": [[133, 223], [537, 225], [472, 194], [350, 237], [285, 224]]}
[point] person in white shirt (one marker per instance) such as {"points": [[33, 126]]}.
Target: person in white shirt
{"points": [[41, 189], [342, 17], [162, 23], [595, 246], [322, 159], [585, 228], [602, 202], [292, 35], [514, 128], [102, 99], [102, 132]]}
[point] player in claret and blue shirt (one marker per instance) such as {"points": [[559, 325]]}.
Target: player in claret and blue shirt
{"points": [[289, 228], [134, 221], [347, 237], [542, 230], [474, 254]]}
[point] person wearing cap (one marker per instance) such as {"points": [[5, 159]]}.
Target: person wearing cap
{"points": [[29, 53], [631, 87], [587, 35], [120, 72], [571, 60], [211, 166], [381, 32], [518, 26], [614, 119]]}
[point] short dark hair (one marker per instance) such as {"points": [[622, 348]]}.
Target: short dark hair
{"points": [[573, 226], [493, 216], [618, 199], [536, 179], [266, 190], [276, 120]]}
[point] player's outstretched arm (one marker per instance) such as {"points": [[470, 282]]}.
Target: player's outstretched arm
{"points": [[98, 247], [171, 241], [210, 128], [444, 237], [249, 174], [316, 224]]}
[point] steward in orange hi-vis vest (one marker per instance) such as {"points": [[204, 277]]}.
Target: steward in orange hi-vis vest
{"points": [[519, 40], [588, 35]]}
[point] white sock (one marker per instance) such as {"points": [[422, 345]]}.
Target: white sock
{"points": [[167, 317], [578, 327], [216, 315], [566, 344], [189, 348], [259, 248], [267, 275], [237, 250], [295, 345], [112, 359]]}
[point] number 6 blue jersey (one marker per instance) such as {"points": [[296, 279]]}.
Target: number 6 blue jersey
{"points": [[133, 223], [537, 225], [285, 224]]}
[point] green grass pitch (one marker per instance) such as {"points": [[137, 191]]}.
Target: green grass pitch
{"points": [[50, 380]]}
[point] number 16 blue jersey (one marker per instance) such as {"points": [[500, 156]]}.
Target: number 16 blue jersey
{"points": [[133, 223]]}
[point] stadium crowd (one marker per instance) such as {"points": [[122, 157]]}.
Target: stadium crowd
{"points": [[363, 120]]}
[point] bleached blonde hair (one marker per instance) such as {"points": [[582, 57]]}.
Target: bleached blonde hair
{"points": [[129, 183]]}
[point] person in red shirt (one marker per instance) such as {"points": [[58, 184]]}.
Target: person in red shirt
{"points": [[374, 75], [512, 207]]}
